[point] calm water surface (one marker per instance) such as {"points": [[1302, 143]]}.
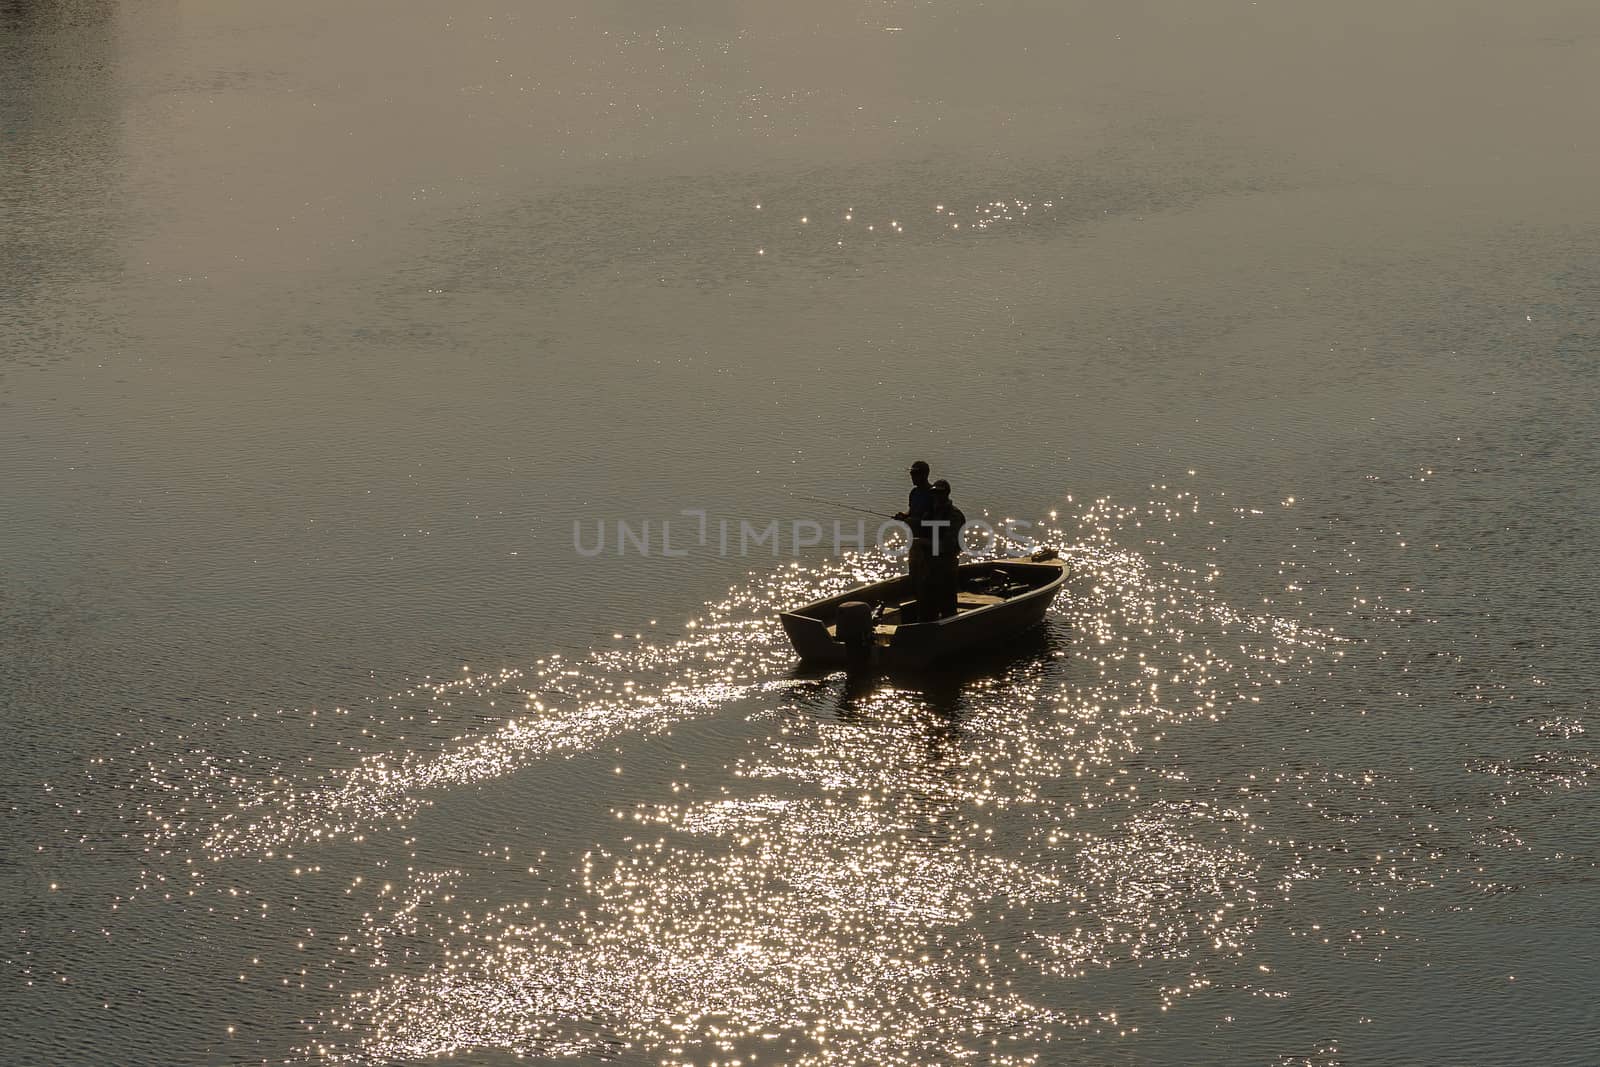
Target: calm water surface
{"points": [[320, 326]]}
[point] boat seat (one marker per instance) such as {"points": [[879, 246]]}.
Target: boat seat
{"points": [[892, 619], [882, 629]]}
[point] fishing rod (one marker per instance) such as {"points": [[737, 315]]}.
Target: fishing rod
{"points": [[839, 504]]}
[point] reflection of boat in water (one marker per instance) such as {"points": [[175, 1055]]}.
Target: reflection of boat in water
{"points": [[995, 600]]}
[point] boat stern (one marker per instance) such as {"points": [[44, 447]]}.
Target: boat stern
{"points": [[810, 638]]}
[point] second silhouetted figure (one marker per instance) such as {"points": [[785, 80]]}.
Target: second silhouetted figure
{"points": [[943, 523]]}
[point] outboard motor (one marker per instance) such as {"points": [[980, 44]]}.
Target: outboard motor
{"points": [[853, 625]]}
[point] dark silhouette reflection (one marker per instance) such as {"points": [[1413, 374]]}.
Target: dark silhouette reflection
{"points": [[922, 727], [60, 142], [948, 694], [936, 701]]}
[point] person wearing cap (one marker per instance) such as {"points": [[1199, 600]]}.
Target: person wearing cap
{"points": [[921, 551], [921, 499], [943, 523]]}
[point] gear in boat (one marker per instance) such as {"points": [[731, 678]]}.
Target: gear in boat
{"points": [[996, 600]]}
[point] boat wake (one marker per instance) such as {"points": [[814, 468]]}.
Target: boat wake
{"points": [[567, 705], [894, 871], [889, 870]]}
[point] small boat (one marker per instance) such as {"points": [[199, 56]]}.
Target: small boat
{"points": [[996, 600]]}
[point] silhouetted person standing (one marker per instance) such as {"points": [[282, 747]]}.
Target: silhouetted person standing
{"points": [[943, 523], [921, 551]]}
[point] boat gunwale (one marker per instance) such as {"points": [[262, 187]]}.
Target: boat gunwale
{"points": [[813, 612]]}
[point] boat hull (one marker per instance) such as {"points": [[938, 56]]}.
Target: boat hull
{"points": [[982, 623]]}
